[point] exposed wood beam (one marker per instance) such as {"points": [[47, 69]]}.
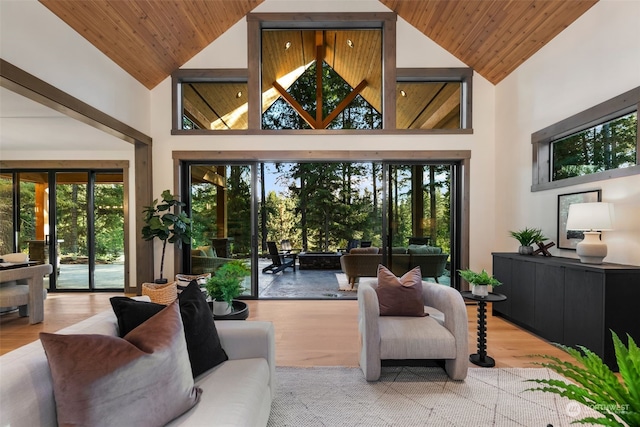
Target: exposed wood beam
{"points": [[319, 60], [294, 104], [344, 103], [29, 86]]}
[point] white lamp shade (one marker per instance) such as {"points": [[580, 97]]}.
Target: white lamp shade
{"points": [[590, 216]]}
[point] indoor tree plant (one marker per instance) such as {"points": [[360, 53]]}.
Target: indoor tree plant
{"points": [[596, 386], [164, 223], [479, 281], [527, 237], [225, 285]]}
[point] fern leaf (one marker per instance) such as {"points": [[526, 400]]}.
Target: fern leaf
{"points": [[629, 366]]}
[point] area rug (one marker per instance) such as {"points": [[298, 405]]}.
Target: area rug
{"points": [[343, 283], [417, 396]]}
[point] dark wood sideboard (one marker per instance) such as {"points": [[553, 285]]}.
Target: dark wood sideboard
{"points": [[567, 302]]}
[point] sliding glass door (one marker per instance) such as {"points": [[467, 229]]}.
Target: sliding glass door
{"points": [[223, 218], [420, 219], [72, 219], [316, 212]]}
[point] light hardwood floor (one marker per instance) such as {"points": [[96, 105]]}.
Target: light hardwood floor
{"points": [[308, 333]]}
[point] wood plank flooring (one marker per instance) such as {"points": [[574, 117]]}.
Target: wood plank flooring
{"points": [[308, 333]]}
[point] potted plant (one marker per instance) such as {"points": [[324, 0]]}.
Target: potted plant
{"points": [[225, 285], [479, 281], [527, 237], [596, 386], [166, 225]]}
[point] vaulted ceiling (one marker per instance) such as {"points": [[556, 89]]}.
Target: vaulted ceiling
{"points": [[150, 39]]}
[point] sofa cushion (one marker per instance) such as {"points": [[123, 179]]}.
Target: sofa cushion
{"points": [[398, 250], [203, 343], [400, 296], [369, 250], [236, 393], [423, 249], [142, 379]]}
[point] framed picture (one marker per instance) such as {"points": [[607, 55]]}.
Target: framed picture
{"points": [[568, 239]]}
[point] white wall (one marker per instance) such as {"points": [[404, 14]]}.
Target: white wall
{"points": [[414, 50], [37, 41], [593, 60]]}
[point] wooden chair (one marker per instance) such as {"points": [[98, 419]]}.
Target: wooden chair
{"points": [[279, 261]]}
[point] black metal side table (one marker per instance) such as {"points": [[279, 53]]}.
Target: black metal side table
{"points": [[481, 358]]}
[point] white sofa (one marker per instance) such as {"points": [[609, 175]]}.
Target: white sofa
{"points": [[236, 393]]}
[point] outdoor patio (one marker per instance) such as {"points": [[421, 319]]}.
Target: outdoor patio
{"points": [[299, 284], [309, 284]]}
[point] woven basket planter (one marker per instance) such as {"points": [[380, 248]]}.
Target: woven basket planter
{"points": [[165, 293]]}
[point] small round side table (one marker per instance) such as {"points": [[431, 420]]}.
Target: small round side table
{"points": [[481, 358]]}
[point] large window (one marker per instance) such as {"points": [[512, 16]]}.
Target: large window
{"points": [[321, 79], [433, 98], [329, 72], [610, 145], [72, 219], [596, 144], [210, 100]]}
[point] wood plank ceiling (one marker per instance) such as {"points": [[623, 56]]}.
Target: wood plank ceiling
{"points": [[150, 39], [491, 36]]}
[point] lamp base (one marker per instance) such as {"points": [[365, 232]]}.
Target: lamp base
{"points": [[591, 250]]}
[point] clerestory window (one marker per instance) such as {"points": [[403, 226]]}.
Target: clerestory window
{"points": [[596, 144], [327, 72]]}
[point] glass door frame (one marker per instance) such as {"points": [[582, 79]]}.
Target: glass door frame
{"points": [[183, 257], [15, 168], [461, 183], [456, 211]]}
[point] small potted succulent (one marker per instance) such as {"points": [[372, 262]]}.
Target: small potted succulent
{"points": [[527, 237], [225, 285], [479, 281]]}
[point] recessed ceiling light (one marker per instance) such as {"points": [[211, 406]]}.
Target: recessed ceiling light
{"points": [[403, 93], [239, 94], [350, 43], [287, 45]]}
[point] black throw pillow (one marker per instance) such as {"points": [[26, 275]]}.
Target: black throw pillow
{"points": [[203, 343], [132, 313], [201, 335]]}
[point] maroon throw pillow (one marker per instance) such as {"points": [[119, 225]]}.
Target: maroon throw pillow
{"points": [[400, 296]]}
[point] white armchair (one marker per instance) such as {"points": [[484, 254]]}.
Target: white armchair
{"points": [[440, 335]]}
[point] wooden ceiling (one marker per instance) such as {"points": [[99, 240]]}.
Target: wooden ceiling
{"points": [[150, 39], [491, 36]]}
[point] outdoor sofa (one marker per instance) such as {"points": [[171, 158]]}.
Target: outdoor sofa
{"points": [[205, 260], [363, 262]]}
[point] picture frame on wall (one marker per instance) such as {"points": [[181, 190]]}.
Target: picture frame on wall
{"points": [[568, 239]]}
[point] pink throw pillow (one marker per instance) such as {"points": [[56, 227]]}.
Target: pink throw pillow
{"points": [[400, 296]]}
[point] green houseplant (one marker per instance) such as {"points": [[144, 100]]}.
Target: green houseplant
{"points": [[163, 224], [226, 284], [527, 237], [479, 281], [596, 386]]}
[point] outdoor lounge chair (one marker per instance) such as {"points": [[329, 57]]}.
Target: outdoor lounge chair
{"points": [[279, 261]]}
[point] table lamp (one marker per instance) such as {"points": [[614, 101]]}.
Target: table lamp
{"points": [[589, 217]]}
